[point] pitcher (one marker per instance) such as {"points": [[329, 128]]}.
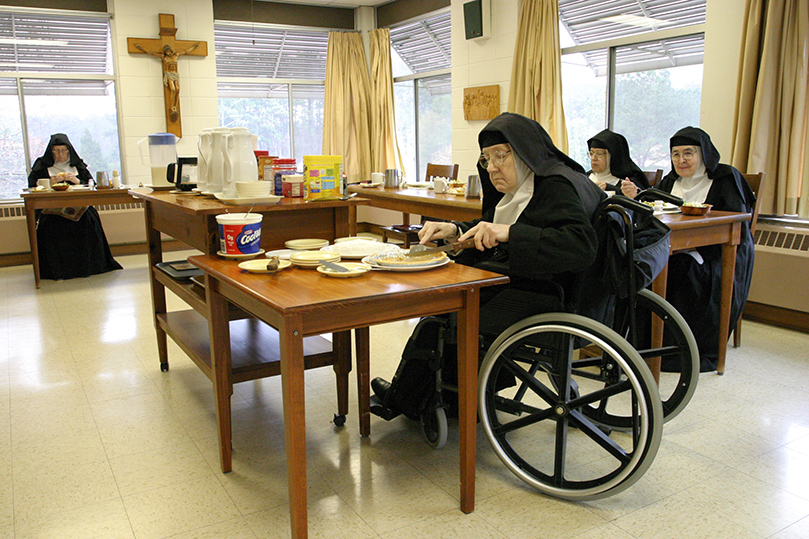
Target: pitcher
{"points": [[205, 149], [216, 164], [240, 161]]}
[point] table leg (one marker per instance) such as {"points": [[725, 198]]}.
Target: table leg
{"points": [[659, 288], [219, 335], [728, 273], [292, 384], [158, 291], [363, 350], [468, 322], [341, 344], [31, 221]]}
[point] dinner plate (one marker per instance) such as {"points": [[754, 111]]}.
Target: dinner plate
{"points": [[306, 244], [240, 256], [419, 185], [259, 265], [355, 270], [246, 201], [283, 254], [358, 249], [351, 238], [311, 259], [422, 267], [377, 184]]}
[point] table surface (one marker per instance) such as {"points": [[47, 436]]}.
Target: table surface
{"points": [[300, 302], [422, 202]]}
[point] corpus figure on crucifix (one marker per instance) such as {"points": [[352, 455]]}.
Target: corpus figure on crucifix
{"points": [[171, 77]]}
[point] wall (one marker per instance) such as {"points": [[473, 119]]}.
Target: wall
{"points": [[140, 77]]}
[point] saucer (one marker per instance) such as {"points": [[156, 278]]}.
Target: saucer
{"points": [[355, 269], [259, 265], [306, 244], [240, 256]]}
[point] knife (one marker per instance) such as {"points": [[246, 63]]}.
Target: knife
{"points": [[421, 250], [334, 267]]}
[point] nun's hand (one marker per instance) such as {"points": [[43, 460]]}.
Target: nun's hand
{"points": [[628, 188], [436, 230], [487, 235], [70, 177], [602, 185]]}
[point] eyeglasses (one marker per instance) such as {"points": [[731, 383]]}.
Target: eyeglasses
{"points": [[497, 159], [592, 154], [686, 155]]}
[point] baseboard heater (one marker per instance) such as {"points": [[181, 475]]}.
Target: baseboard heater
{"points": [[782, 265]]}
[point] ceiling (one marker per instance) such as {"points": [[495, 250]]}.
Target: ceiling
{"points": [[335, 3]]}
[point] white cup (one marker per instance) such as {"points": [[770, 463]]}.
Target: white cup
{"points": [[440, 185], [377, 177], [44, 182]]}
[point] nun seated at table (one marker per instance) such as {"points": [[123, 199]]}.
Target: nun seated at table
{"points": [[694, 279], [71, 240], [612, 168]]}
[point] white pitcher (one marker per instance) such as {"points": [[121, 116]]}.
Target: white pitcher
{"points": [[204, 146], [216, 164], [240, 161]]}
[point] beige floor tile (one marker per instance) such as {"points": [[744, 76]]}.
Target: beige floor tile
{"points": [[604, 531], [720, 442], [232, 529], [66, 449], [450, 525], [799, 530], [108, 520], [6, 498], [400, 501], [159, 467], [329, 518], [783, 468], [179, 508], [53, 487], [135, 434]]}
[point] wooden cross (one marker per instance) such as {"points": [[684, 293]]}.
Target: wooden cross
{"points": [[169, 50]]}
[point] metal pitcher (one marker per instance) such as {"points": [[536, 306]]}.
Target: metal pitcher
{"points": [[473, 186], [392, 178]]}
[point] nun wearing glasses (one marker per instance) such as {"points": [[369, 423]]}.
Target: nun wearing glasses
{"points": [[612, 167], [694, 279], [536, 221]]}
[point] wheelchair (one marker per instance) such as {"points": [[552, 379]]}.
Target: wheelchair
{"points": [[566, 398]]}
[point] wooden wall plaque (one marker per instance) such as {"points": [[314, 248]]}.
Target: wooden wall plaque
{"points": [[481, 102]]}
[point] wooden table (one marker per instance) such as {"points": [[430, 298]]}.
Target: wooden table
{"points": [[716, 228], [301, 303], [191, 219], [40, 200], [421, 202]]}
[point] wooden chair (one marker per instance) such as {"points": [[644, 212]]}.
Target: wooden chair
{"points": [[653, 176], [754, 181], [409, 233]]}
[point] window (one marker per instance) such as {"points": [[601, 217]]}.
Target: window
{"points": [[56, 71], [618, 73], [421, 58], [271, 81]]}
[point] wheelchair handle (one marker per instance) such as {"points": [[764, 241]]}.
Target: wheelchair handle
{"points": [[629, 204], [653, 193]]}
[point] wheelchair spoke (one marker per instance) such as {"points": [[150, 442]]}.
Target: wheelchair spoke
{"points": [[599, 437], [531, 382]]}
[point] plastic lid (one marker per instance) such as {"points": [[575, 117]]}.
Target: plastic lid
{"points": [[285, 161], [162, 138], [261, 153]]}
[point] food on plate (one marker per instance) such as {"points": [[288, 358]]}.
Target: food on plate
{"points": [[359, 248], [272, 263], [399, 259]]}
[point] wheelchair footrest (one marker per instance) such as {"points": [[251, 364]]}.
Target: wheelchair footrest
{"points": [[379, 410]]}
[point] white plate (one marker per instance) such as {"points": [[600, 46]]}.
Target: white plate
{"points": [[368, 260], [419, 185], [79, 188], [259, 265], [306, 244], [249, 200], [356, 250], [240, 256], [351, 238], [377, 184], [311, 259], [283, 254], [356, 269]]}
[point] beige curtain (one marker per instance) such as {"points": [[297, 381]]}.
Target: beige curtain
{"points": [[536, 76], [384, 145], [771, 131], [346, 116]]}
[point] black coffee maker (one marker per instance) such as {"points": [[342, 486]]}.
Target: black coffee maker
{"points": [[183, 173]]}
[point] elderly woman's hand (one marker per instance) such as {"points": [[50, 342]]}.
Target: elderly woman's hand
{"points": [[628, 188], [435, 230], [602, 185], [487, 235]]}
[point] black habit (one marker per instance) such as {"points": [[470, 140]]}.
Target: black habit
{"points": [[621, 164]]}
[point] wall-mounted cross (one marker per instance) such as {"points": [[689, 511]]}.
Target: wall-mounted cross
{"points": [[169, 50]]}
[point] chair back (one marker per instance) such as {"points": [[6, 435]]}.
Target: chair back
{"points": [[653, 176], [754, 181], [441, 171]]}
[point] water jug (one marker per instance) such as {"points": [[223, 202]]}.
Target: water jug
{"points": [[162, 151], [216, 164], [240, 161], [204, 156]]}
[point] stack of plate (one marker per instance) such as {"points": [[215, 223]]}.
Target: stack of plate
{"points": [[311, 259], [308, 243]]}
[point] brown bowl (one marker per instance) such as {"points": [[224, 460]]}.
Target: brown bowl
{"points": [[696, 210], [60, 186]]}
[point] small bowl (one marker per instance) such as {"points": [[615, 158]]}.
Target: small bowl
{"points": [[254, 189], [696, 210], [60, 186]]}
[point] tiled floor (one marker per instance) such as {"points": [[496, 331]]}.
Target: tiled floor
{"points": [[96, 442]]}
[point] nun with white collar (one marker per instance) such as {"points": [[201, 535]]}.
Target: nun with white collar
{"points": [[694, 279], [537, 210], [612, 168]]}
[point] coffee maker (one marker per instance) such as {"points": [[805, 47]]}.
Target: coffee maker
{"points": [[183, 173]]}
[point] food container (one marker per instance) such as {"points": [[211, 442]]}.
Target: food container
{"points": [[292, 186], [281, 167], [696, 210], [239, 233], [322, 175]]}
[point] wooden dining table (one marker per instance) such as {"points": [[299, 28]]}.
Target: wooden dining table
{"points": [[301, 303], [72, 198], [715, 228]]}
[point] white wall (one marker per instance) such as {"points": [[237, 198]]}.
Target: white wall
{"points": [[140, 77]]}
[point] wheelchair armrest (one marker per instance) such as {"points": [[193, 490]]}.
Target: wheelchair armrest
{"points": [[653, 193], [629, 204]]}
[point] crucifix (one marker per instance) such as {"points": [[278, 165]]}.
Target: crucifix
{"points": [[169, 50]]}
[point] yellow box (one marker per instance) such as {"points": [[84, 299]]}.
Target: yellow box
{"points": [[322, 175]]}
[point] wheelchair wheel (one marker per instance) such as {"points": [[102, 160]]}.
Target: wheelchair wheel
{"points": [[434, 427], [532, 408], [679, 353]]}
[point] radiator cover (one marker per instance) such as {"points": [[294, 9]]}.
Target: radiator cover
{"points": [[782, 266]]}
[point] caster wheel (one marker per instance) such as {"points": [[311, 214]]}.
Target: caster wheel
{"points": [[434, 427], [164, 367], [339, 420]]}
